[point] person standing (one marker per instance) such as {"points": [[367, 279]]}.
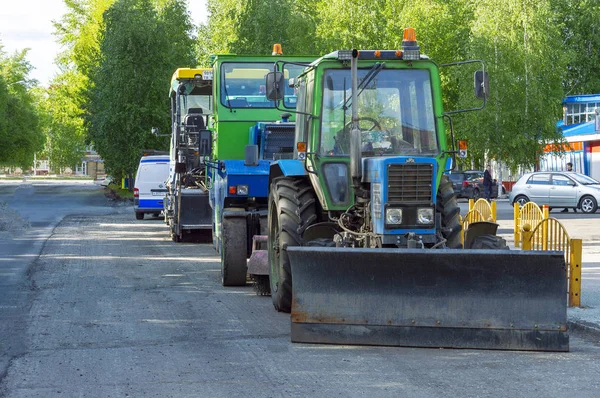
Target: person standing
{"points": [[566, 209], [487, 183]]}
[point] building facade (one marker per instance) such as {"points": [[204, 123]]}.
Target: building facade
{"points": [[580, 127]]}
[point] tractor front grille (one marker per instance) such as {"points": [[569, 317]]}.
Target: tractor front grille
{"points": [[279, 142], [410, 183]]}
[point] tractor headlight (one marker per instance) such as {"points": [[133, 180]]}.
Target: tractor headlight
{"points": [[425, 215], [242, 190], [393, 216]]}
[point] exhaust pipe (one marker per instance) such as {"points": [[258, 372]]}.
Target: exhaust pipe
{"points": [[355, 142]]}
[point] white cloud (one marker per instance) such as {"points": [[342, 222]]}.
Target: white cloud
{"points": [[30, 26]]}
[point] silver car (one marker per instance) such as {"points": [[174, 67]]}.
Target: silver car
{"points": [[557, 189]]}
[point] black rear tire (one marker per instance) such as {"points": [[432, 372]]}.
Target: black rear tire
{"points": [[139, 216], [447, 206], [292, 208], [234, 266]]}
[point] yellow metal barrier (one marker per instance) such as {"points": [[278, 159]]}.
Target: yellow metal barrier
{"points": [[575, 273], [530, 214], [471, 217], [550, 234], [487, 210]]}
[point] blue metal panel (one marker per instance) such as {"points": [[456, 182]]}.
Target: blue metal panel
{"points": [[235, 172], [148, 204], [290, 167], [582, 98], [579, 129], [587, 157], [376, 172], [258, 185], [254, 135]]}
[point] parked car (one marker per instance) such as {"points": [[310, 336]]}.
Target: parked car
{"points": [[149, 189], [469, 184], [557, 189]]}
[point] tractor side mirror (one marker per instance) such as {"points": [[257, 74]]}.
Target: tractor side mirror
{"points": [[275, 86], [154, 130], [205, 143], [482, 84]]}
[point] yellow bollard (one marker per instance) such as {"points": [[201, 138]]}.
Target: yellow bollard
{"points": [[471, 204], [494, 211], [462, 232], [527, 233], [545, 216], [575, 273], [516, 232], [545, 212]]}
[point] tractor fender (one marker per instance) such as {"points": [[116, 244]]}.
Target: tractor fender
{"points": [[286, 168]]}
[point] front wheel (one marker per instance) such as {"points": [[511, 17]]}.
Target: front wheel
{"points": [[447, 206], [292, 208], [139, 216], [588, 204]]}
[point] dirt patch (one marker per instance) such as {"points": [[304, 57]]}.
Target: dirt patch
{"points": [[10, 221], [114, 195]]}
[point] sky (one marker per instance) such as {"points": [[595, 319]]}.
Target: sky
{"points": [[29, 25]]}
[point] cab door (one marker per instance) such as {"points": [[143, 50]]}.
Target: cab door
{"points": [[538, 188], [563, 191]]}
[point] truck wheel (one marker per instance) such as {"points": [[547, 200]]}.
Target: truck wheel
{"points": [[489, 242], [139, 216], [292, 208], [447, 206], [234, 266], [175, 237]]}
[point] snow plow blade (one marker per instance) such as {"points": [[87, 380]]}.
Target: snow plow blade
{"points": [[479, 299]]}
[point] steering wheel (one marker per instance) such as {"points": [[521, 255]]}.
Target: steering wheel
{"points": [[339, 146], [369, 119]]}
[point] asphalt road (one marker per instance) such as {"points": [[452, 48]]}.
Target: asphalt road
{"points": [[108, 306]]}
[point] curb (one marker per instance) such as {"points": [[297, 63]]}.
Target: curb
{"points": [[588, 328]]}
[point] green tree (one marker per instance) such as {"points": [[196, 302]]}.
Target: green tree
{"points": [[253, 26], [62, 122], [141, 46], [581, 43], [20, 136], [526, 72]]}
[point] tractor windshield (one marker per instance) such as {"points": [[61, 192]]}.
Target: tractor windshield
{"points": [[395, 111], [243, 84]]}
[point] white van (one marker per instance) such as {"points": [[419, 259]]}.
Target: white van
{"points": [[149, 190]]}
